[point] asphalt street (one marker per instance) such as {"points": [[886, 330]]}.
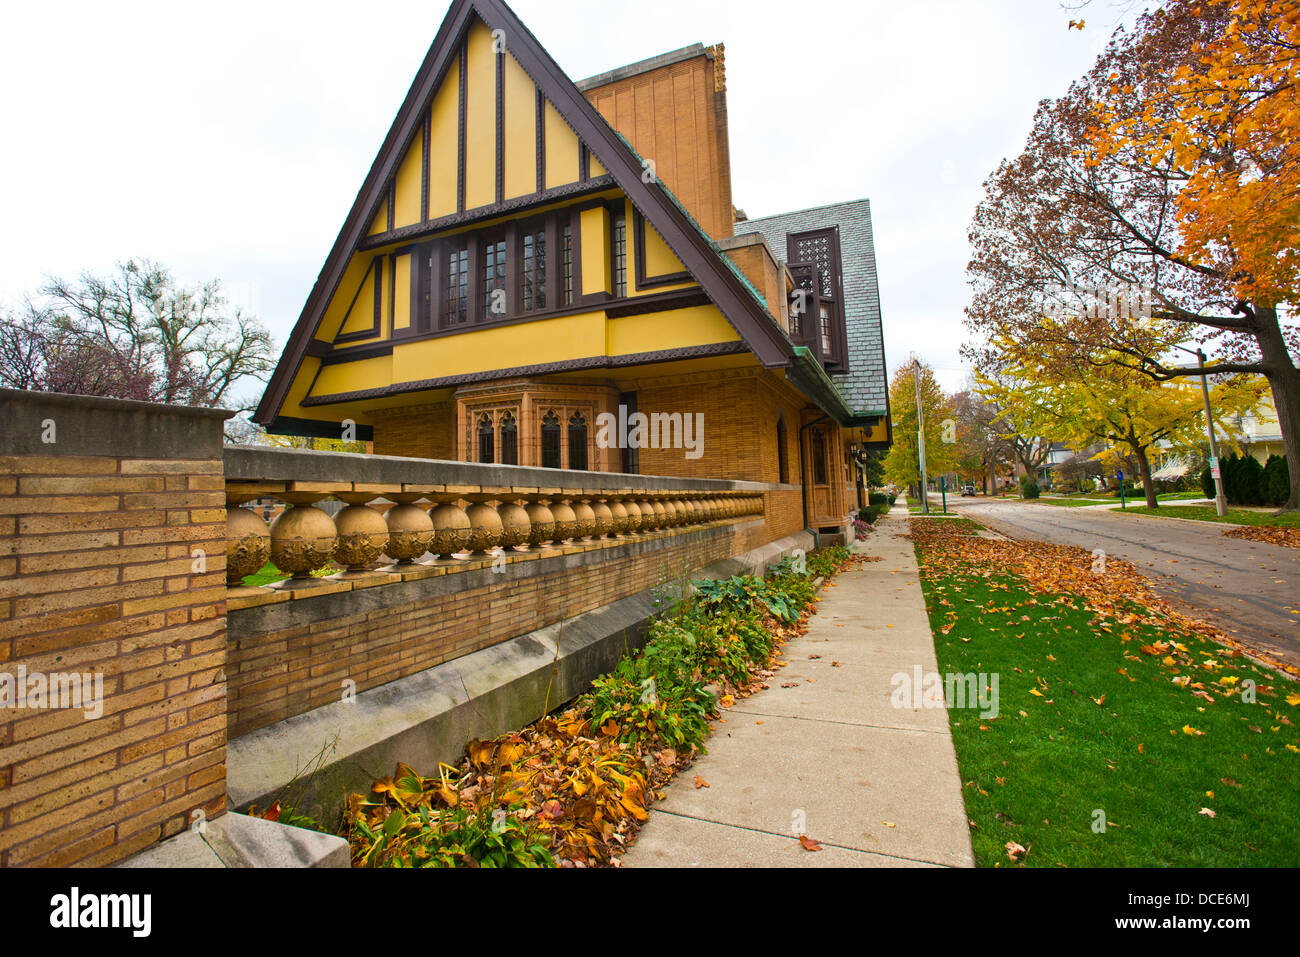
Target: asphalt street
{"points": [[1250, 590]]}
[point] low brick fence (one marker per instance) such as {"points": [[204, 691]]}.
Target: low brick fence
{"points": [[107, 511], [123, 552]]}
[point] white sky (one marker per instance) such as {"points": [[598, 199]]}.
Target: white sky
{"points": [[229, 140]]}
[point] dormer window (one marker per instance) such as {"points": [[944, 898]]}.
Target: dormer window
{"points": [[815, 265]]}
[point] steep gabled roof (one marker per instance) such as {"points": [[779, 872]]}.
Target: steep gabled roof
{"points": [[713, 271]]}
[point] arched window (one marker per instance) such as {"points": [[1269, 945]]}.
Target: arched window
{"points": [[509, 440], [782, 462], [551, 441], [486, 446], [578, 442]]}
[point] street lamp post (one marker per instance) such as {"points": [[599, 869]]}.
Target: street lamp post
{"points": [[1220, 499], [920, 441]]}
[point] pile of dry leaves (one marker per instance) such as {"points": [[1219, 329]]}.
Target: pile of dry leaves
{"points": [[1111, 588], [1283, 535]]}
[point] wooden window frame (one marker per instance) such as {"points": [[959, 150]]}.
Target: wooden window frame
{"points": [[617, 212]]}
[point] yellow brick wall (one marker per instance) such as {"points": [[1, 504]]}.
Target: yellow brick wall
{"points": [[276, 675], [98, 574], [676, 116], [418, 432]]}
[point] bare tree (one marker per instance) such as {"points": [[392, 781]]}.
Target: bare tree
{"points": [[135, 334]]}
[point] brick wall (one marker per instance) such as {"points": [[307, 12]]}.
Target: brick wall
{"points": [[740, 407], [98, 577], [289, 658], [673, 110], [418, 432]]}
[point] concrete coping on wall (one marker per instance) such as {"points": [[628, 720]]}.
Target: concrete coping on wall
{"points": [[237, 840], [248, 464], [431, 716], [51, 423]]}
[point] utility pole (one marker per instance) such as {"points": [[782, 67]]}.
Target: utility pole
{"points": [[1220, 499], [920, 440]]}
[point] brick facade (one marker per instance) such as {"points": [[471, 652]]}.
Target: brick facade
{"points": [[673, 110], [112, 564], [291, 658]]}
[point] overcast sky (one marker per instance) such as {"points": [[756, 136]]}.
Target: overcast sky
{"points": [[229, 140]]}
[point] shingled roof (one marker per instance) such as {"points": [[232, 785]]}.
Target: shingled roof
{"points": [[865, 387]]}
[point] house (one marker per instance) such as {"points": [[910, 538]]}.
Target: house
{"points": [[539, 272], [1260, 432]]}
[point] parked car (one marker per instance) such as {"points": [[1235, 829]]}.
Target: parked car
{"points": [[968, 490]]}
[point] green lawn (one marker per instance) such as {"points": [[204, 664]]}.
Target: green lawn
{"points": [[1082, 500], [269, 575], [1206, 513], [1110, 736]]}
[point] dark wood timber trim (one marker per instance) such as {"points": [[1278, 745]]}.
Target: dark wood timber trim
{"points": [[484, 213], [462, 123], [419, 258], [642, 280], [545, 368], [392, 294], [584, 162], [426, 145], [662, 302], [392, 207], [638, 306], [541, 141], [501, 126], [317, 429], [731, 293]]}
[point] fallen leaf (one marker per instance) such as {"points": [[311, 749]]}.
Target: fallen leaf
{"points": [[700, 782], [808, 843]]}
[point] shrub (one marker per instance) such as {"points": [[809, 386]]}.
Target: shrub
{"points": [[879, 498], [1229, 468], [870, 513], [1252, 481], [1029, 487], [1277, 481], [1207, 483]]}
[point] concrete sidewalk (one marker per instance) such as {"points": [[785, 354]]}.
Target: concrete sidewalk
{"points": [[876, 785]]}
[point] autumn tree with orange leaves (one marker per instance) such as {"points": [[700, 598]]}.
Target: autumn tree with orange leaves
{"points": [[1173, 166]]}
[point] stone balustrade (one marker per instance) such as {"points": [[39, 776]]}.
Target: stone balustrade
{"points": [[405, 518]]}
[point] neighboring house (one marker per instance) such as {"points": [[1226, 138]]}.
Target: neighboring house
{"points": [[516, 270], [1260, 433]]}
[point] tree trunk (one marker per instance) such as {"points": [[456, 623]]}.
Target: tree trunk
{"points": [[1144, 470], [1284, 380]]}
